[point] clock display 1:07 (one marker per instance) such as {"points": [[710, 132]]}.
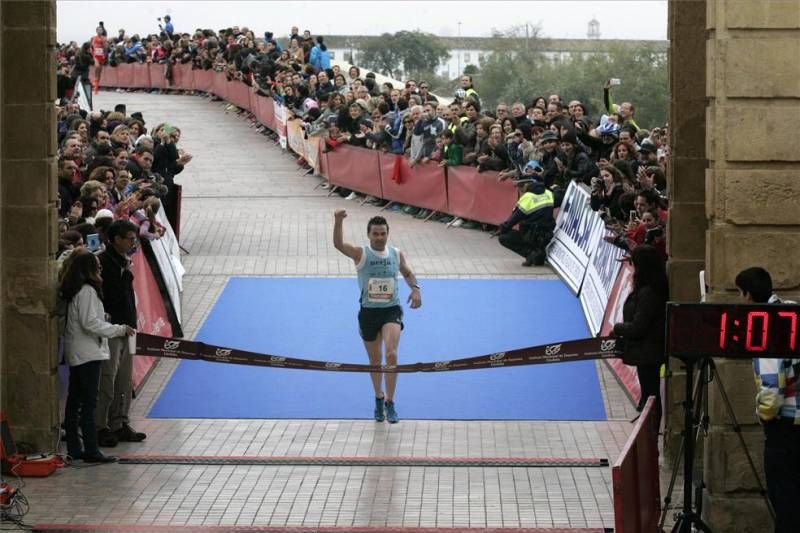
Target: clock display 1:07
{"points": [[757, 332], [732, 330]]}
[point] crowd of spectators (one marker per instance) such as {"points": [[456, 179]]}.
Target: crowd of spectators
{"points": [[551, 139], [114, 175]]}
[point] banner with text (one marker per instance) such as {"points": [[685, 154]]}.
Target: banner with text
{"points": [[601, 273], [578, 229], [280, 122]]}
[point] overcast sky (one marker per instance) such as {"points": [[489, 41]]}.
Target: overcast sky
{"points": [[628, 19]]}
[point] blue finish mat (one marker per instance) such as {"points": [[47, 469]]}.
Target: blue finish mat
{"points": [[315, 318]]}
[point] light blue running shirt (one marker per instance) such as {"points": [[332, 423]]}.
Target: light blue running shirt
{"points": [[377, 277]]}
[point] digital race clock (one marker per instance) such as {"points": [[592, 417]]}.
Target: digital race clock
{"points": [[737, 331]]}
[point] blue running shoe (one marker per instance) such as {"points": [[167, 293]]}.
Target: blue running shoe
{"points": [[379, 414], [391, 414]]}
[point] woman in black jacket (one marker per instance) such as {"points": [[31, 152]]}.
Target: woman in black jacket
{"points": [[644, 322]]}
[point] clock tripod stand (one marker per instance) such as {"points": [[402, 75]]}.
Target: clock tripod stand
{"points": [[695, 424]]}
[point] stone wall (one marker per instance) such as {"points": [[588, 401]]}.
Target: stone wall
{"points": [[28, 191], [753, 86]]}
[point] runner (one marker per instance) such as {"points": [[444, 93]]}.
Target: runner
{"points": [[99, 45], [380, 319]]}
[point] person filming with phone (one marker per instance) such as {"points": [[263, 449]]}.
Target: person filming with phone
{"points": [[624, 110]]}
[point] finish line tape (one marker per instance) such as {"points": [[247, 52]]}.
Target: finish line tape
{"points": [[579, 350]]}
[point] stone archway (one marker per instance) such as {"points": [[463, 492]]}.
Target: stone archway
{"points": [[733, 181]]}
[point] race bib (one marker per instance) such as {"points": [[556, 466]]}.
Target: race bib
{"points": [[380, 290]]}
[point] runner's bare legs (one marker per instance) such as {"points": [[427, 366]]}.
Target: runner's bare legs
{"points": [[375, 353], [391, 340]]}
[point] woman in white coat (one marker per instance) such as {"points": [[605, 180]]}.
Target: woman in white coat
{"points": [[85, 345]]}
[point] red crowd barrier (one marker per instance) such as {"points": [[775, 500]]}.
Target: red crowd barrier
{"points": [[109, 77], [152, 315], [423, 185], [355, 169], [478, 195], [635, 478], [183, 77], [461, 191], [203, 80], [158, 78]]}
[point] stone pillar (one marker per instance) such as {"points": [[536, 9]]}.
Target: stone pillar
{"points": [[686, 178], [752, 189], [28, 391]]}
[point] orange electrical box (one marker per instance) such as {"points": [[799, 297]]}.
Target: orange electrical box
{"points": [[41, 465]]}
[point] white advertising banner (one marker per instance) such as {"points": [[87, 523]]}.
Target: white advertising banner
{"points": [[601, 273], [280, 122], [578, 229], [168, 255]]}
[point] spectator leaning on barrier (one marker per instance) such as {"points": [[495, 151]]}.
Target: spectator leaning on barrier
{"points": [[116, 379], [643, 325], [778, 410]]}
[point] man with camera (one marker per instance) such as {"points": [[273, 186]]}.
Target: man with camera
{"points": [[778, 410], [534, 214]]}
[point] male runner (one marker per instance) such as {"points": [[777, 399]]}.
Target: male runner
{"points": [[380, 319]]}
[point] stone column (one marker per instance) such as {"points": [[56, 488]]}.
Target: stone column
{"points": [[686, 178], [752, 191], [28, 221]]}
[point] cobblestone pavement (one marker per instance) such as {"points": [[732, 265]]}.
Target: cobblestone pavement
{"points": [[248, 211]]}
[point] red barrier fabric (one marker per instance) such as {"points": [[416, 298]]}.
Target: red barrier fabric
{"points": [[478, 195], [204, 80], [140, 77], [423, 185], [183, 77], [253, 101], [151, 316], [237, 94], [265, 111], [637, 496], [158, 79], [109, 77], [220, 87], [623, 286], [124, 75], [355, 168]]}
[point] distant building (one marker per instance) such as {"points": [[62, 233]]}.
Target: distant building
{"points": [[594, 29], [473, 50]]}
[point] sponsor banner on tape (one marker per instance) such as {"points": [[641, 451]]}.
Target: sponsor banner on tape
{"points": [[601, 273], [578, 350], [156, 346], [578, 229]]}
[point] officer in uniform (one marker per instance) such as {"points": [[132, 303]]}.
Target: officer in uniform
{"points": [[534, 214]]}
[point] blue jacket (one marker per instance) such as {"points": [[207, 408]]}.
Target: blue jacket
{"points": [[320, 59]]}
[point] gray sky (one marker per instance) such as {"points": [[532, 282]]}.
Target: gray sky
{"points": [[628, 19]]}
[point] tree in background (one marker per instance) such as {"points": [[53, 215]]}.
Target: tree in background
{"points": [[416, 51], [517, 70]]}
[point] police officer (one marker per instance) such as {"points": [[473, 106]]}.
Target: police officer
{"points": [[534, 214]]}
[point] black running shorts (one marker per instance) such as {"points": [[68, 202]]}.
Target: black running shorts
{"points": [[372, 319]]}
